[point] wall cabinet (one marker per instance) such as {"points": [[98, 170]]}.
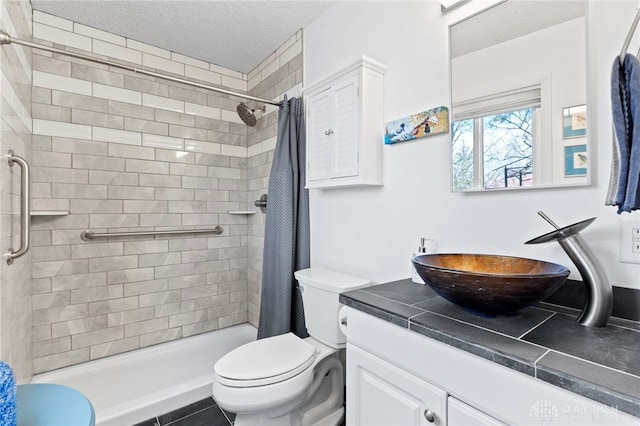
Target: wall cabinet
{"points": [[345, 127], [398, 377]]}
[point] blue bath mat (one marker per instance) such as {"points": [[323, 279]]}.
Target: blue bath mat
{"points": [[7, 396]]}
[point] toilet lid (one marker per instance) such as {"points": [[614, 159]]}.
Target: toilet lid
{"points": [[265, 361]]}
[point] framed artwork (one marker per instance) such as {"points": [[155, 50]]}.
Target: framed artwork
{"points": [[425, 123], [574, 122], [575, 160]]}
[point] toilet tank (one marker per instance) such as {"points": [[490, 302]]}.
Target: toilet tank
{"points": [[321, 290]]}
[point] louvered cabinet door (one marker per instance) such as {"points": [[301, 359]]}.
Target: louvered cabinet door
{"points": [[345, 128], [319, 138]]}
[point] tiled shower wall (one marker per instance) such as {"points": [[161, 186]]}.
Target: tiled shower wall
{"points": [[15, 280], [121, 151]]}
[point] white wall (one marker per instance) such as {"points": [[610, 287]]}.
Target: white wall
{"points": [[372, 232]]}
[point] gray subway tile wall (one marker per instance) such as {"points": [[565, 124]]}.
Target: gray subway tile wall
{"points": [[123, 152], [15, 281]]}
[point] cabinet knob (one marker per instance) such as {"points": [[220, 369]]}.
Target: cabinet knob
{"points": [[429, 415], [328, 132]]}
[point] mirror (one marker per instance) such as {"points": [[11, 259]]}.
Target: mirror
{"points": [[518, 97]]}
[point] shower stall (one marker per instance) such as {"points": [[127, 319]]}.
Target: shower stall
{"points": [[126, 149]]}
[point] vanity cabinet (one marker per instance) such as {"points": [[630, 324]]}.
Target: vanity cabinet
{"points": [[394, 375], [345, 127]]}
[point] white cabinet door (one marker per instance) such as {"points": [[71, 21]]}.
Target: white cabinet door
{"points": [[381, 394], [319, 139], [345, 128], [461, 414], [333, 139]]}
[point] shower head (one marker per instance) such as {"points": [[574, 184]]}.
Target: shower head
{"points": [[247, 115]]}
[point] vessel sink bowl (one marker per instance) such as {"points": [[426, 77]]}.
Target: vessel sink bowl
{"points": [[490, 284]]}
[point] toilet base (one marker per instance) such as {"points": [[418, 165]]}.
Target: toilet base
{"points": [[322, 405], [333, 419]]}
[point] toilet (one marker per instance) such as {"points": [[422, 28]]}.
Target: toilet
{"points": [[285, 380]]}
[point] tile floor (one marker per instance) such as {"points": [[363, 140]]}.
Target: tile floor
{"points": [[201, 413]]}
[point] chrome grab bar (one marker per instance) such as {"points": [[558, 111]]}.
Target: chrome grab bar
{"points": [[25, 207], [88, 235]]}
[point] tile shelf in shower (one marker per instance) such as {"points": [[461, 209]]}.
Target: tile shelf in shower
{"points": [[50, 213], [247, 212]]}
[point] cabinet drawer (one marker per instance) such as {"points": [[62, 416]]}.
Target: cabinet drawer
{"points": [[461, 414]]}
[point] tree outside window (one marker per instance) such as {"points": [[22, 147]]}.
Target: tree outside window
{"points": [[498, 148]]}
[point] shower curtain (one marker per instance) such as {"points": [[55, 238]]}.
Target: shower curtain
{"points": [[286, 239]]}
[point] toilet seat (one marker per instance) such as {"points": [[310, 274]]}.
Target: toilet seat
{"points": [[265, 362]]}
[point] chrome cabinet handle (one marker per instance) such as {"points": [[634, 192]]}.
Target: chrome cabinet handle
{"points": [[328, 132], [429, 415], [25, 207]]}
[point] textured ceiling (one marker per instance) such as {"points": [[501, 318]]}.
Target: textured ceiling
{"points": [[239, 34], [236, 35]]}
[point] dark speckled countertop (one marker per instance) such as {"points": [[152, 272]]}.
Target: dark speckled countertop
{"points": [[543, 341]]}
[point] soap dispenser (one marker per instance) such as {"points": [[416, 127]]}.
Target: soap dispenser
{"points": [[421, 250]]}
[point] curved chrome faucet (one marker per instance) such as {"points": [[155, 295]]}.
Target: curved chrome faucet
{"points": [[598, 291]]}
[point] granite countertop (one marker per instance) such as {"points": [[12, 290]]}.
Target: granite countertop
{"points": [[543, 341]]}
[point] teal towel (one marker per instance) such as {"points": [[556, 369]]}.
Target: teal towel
{"points": [[7, 396]]}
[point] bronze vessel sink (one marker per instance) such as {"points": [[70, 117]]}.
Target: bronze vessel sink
{"points": [[490, 284]]}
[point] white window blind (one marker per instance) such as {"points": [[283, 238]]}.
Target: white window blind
{"points": [[495, 103]]}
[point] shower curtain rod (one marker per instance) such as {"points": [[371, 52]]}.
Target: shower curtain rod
{"points": [[7, 39]]}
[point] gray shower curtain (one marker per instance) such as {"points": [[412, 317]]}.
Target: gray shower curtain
{"points": [[286, 239]]}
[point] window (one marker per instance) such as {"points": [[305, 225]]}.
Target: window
{"points": [[493, 140]]}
